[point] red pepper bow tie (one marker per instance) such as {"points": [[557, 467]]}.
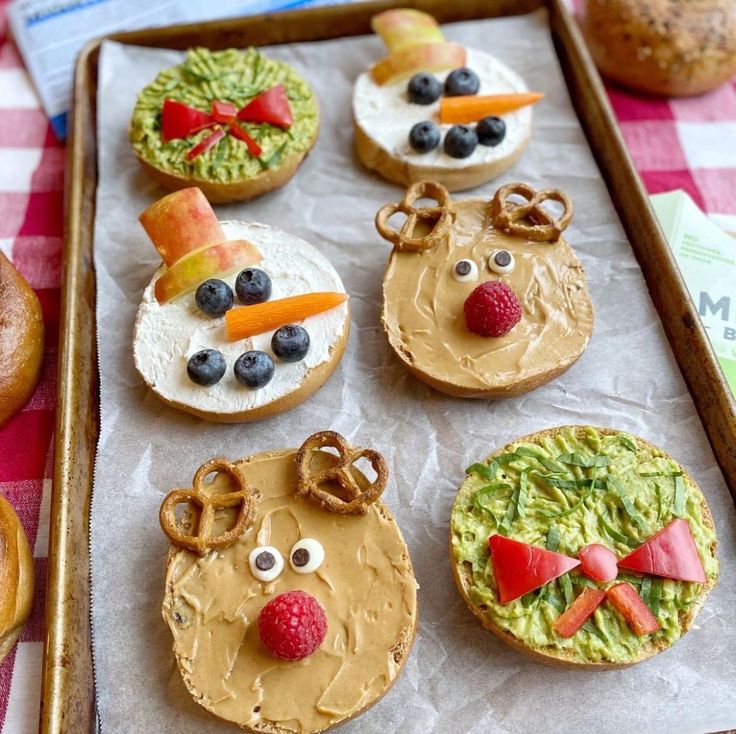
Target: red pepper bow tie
{"points": [[179, 120]]}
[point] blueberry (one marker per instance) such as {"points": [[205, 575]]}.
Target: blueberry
{"points": [[460, 141], [424, 89], [290, 343], [491, 130], [424, 136], [254, 369], [206, 367], [253, 286], [214, 297], [462, 81]]}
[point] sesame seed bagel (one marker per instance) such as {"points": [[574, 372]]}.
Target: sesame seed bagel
{"points": [[663, 46], [650, 479]]}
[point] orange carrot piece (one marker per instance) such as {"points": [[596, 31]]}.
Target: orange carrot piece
{"points": [[474, 107], [260, 317]]}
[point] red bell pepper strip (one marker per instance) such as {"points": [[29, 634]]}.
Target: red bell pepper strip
{"points": [[578, 613], [224, 111], [204, 145], [179, 120], [670, 553], [632, 608], [598, 563], [253, 148], [520, 568], [271, 106]]}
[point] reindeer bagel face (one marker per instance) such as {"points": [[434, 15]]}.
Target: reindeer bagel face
{"points": [[484, 299], [322, 552]]}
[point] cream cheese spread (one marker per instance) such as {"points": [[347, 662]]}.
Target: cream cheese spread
{"points": [[168, 334]]}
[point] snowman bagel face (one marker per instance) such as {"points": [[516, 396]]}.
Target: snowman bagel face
{"points": [[484, 299]]}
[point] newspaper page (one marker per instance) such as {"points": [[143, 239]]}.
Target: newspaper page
{"points": [[50, 34]]}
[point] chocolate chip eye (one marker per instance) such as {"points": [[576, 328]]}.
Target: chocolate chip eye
{"points": [[266, 562], [465, 271], [501, 262], [307, 555]]}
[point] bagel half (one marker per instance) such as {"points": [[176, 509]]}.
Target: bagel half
{"points": [[16, 578], [166, 336], [681, 601], [423, 307], [231, 169], [366, 585], [21, 340], [383, 117]]}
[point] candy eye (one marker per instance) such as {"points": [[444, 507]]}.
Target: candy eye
{"points": [[266, 562], [306, 555], [465, 271], [501, 262]]}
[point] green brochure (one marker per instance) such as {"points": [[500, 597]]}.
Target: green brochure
{"points": [[706, 256]]}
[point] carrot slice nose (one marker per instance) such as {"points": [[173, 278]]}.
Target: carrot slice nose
{"points": [[474, 107]]}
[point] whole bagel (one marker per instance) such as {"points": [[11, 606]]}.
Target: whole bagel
{"points": [[663, 47], [21, 340]]}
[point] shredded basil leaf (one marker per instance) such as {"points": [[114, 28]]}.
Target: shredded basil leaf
{"points": [[627, 442], [572, 509], [221, 152], [528, 599], [658, 492], [578, 580], [592, 628], [510, 516], [566, 586], [525, 451], [615, 535], [629, 506], [633, 580], [275, 158], [586, 462], [553, 600], [660, 473], [553, 539], [480, 469], [523, 493], [655, 595], [552, 465], [646, 589], [487, 491], [678, 502], [576, 483]]}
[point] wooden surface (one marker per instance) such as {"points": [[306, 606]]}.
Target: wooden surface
{"points": [[67, 693]]}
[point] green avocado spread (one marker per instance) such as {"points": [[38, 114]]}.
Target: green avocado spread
{"points": [[230, 76], [562, 492]]}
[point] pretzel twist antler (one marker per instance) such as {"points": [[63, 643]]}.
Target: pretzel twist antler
{"points": [[311, 483], [540, 225], [208, 503], [440, 217]]}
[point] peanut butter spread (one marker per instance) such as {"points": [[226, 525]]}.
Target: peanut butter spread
{"points": [[423, 308], [365, 585]]}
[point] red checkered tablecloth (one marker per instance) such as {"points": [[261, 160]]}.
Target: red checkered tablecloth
{"points": [[31, 194], [688, 144]]}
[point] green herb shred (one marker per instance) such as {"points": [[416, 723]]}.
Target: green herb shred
{"points": [[629, 506], [678, 502], [627, 442]]}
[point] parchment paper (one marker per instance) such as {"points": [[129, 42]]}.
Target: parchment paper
{"points": [[459, 678]]}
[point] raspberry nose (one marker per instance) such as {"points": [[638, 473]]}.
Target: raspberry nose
{"points": [[292, 625], [492, 309]]}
